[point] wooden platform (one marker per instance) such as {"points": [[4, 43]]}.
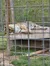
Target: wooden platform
{"points": [[31, 36], [34, 34]]}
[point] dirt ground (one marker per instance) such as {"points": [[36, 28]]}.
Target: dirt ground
{"points": [[6, 60]]}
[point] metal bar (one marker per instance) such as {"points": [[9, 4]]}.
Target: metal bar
{"points": [[10, 11], [49, 30], [2, 35], [31, 6], [43, 31], [28, 37]]}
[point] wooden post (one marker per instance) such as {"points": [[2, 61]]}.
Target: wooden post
{"points": [[7, 19], [7, 2], [12, 11]]}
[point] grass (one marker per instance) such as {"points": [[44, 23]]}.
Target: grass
{"points": [[23, 61], [3, 43], [20, 51], [1, 34]]}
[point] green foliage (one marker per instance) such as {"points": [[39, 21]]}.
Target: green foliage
{"points": [[3, 44], [23, 61], [1, 33], [2, 47], [26, 10], [20, 51]]}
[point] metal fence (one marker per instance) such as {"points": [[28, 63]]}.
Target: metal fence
{"points": [[17, 46]]}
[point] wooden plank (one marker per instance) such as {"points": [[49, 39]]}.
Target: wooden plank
{"points": [[25, 36], [38, 52]]}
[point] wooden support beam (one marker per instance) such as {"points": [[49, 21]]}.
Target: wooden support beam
{"points": [[7, 19], [12, 11], [7, 2]]}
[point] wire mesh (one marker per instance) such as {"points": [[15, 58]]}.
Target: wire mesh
{"points": [[31, 48]]}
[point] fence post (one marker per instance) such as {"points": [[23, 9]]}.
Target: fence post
{"points": [[7, 19], [12, 10]]}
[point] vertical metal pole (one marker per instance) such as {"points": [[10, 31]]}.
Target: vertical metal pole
{"points": [[28, 37], [28, 46], [2, 35], [43, 31], [49, 30], [43, 22], [49, 26], [3, 50]]}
